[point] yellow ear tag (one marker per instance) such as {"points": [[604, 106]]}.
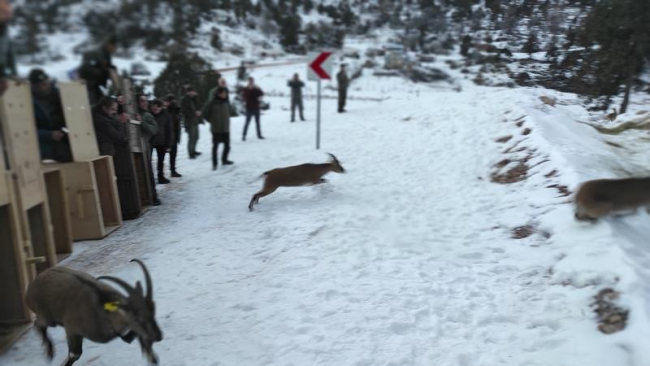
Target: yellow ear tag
{"points": [[111, 307]]}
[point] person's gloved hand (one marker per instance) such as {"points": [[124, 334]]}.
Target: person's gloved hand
{"points": [[57, 135]]}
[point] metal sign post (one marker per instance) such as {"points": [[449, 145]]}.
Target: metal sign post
{"points": [[318, 118], [320, 67]]}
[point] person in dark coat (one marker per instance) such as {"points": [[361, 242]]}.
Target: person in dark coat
{"points": [[162, 141], [241, 72], [175, 112], [343, 84], [252, 94], [96, 66], [109, 130], [296, 86], [7, 59], [50, 120], [217, 112], [191, 120]]}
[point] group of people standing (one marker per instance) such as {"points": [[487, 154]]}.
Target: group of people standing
{"points": [[160, 118], [217, 112]]}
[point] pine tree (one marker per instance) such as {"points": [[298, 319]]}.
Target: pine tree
{"points": [[495, 8], [29, 42], [347, 16], [289, 29], [308, 6], [179, 32], [621, 30], [184, 68], [226, 5], [551, 48], [466, 44], [532, 44], [215, 39]]}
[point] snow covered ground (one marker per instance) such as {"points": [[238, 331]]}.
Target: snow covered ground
{"points": [[407, 259]]}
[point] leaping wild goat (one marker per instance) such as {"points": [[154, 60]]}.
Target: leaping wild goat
{"points": [[89, 308], [294, 176], [599, 198]]}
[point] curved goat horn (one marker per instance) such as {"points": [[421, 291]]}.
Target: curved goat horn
{"points": [[147, 279], [129, 289]]}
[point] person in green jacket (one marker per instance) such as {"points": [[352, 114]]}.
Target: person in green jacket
{"points": [[149, 128], [191, 120], [217, 112], [296, 86], [96, 66]]}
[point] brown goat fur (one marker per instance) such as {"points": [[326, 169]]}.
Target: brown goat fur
{"points": [[295, 176], [602, 197]]}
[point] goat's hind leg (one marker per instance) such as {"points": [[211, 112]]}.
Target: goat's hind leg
{"points": [[75, 343], [42, 330]]}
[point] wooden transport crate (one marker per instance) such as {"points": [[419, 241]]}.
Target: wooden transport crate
{"points": [[59, 211], [79, 121], [92, 197], [25, 229], [19, 131], [14, 278]]}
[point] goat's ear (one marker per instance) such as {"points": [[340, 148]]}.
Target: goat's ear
{"points": [[138, 288], [108, 297]]}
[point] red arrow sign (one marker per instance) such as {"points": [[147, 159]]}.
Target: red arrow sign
{"points": [[317, 64]]}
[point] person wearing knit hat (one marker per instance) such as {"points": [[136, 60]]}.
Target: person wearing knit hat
{"points": [[37, 76], [96, 66], [50, 120]]}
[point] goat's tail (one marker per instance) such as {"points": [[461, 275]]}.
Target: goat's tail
{"points": [[258, 178]]}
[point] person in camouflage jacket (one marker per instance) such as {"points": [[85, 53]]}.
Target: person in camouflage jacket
{"points": [[96, 66], [191, 119]]}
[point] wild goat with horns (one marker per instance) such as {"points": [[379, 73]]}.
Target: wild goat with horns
{"points": [[89, 308]]}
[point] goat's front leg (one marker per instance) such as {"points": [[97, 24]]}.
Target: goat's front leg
{"points": [[74, 349], [318, 181], [128, 337], [256, 198]]}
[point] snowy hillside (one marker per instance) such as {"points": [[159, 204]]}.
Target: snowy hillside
{"points": [[416, 256]]}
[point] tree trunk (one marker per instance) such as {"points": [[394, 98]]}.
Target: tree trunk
{"points": [[628, 88], [626, 96]]}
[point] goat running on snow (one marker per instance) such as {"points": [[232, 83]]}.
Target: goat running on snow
{"points": [[294, 176], [89, 308]]}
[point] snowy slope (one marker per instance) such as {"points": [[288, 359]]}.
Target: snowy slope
{"points": [[407, 259]]}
